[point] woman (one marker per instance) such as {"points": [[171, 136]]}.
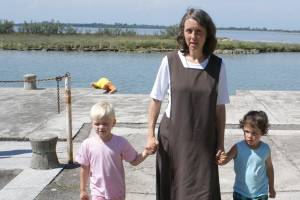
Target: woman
{"points": [[191, 132]]}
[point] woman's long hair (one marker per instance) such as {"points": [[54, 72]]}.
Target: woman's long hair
{"points": [[205, 21]]}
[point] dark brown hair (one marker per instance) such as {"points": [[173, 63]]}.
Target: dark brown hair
{"points": [[256, 119], [205, 21]]}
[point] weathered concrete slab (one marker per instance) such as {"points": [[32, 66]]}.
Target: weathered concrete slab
{"points": [[28, 184], [282, 107], [35, 111]]}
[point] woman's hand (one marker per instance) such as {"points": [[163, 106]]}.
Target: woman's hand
{"points": [[84, 195], [272, 193], [220, 155], [154, 108], [220, 150], [222, 159], [152, 144]]}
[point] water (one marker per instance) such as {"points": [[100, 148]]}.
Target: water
{"points": [[272, 71], [135, 72], [262, 36], [131, 72]]}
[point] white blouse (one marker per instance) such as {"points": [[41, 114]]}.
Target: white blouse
{"points": [[162, 83]]}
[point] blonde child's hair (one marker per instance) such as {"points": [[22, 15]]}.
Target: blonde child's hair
{"points": [[101, 110]]}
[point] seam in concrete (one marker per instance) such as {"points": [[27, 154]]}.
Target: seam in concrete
{"points": [[264, 105], [284, 154]]}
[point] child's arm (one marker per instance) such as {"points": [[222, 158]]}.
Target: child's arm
{"points": [[84, 175], [140, 157], [224, 158], [270, 174]]}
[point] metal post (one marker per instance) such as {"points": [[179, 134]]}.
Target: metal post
{"points": [[69, 118]]}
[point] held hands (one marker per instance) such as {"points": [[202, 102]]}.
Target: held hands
{"points": [[146, 152], [272, 193], [220, 155], [221, 159], [84, 196], [220, 150], [152, 145]]}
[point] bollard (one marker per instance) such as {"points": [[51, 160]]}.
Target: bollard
{"points": [[29, 81], [44, 151]]}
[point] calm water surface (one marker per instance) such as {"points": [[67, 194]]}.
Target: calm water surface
{"points": [[261, 36], [135, 72]]}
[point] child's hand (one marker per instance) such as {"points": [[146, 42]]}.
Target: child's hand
{"points": [[221, 159], [152, 144], [147, 151], [84, 196], [141, 157], [272, 193]]}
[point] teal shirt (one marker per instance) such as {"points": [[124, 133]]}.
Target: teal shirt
{"points": [[251, 178]]}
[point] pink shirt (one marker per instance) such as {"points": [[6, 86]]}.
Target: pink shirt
{"points": [[107, 177]]}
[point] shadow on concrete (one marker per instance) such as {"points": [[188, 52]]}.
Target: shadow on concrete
{"points": [[70, 166], [7, 175], [7, 154], [83, 132], [65, 185]]}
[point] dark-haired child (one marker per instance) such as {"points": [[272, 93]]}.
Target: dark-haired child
{"points": [[254, 173]]}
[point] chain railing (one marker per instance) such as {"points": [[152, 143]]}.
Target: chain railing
{"points": [[67, 78], [57, 79]]}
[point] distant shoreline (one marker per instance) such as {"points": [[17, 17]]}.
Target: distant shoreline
{"points": [[139, 43], [148, 26]]}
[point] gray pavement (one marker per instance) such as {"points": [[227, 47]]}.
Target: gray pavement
{"points": [[26, 112]]}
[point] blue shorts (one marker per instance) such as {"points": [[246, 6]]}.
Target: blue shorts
{"points": [[238, 196]]}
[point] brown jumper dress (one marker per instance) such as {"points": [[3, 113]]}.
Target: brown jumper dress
{"points": [[186, 168]]}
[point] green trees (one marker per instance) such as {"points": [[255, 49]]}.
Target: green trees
{"points": [[46, 28], [6, 26], [56, 28], [115, 32], [171, 31]]}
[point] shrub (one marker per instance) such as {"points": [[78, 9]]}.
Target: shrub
{"points": [[6, 26]]}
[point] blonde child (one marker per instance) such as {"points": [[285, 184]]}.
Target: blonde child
{"points": [[252, 160], [101, 157]]}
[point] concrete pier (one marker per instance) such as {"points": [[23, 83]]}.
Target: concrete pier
{"points": [[28, 112]]}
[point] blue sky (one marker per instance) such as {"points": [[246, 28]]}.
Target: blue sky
{"points": [[271, 14]]}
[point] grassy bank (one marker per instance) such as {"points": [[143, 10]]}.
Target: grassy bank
{"points": [[92, 42]]}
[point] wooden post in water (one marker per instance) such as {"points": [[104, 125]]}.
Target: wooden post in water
{"points": [[69, 118]]}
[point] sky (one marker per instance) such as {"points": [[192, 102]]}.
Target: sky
{"points": [[271, 14]]}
